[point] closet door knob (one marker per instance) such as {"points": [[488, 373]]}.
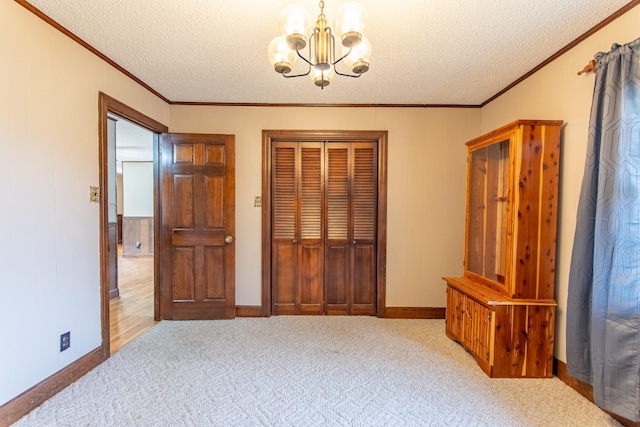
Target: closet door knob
{"points": [[228, 239]]}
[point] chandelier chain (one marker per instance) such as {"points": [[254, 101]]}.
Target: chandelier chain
{"points": [[321, 8]]}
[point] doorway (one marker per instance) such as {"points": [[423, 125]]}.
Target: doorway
{"points": [[324, 222], [131, 219], [110, 107]]}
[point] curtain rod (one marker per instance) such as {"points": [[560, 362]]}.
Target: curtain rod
{"points": [[589, 68]]}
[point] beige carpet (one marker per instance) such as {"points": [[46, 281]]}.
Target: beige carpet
{"points": [[306, 371]]}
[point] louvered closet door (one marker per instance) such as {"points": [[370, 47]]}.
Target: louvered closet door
{"points": [[297, 246], [351, 200]]}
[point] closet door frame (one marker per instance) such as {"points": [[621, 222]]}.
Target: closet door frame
{"points": [[380, 138]]}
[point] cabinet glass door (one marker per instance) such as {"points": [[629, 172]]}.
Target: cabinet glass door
{"points": [[488, 206]]}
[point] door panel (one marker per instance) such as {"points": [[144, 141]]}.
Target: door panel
{"points": [[454, 314], [337, 178], [351, 198], [310, 248], [198, 212], [284, 247], [364, 193], [338, 267], [284, 280], [310, 277], [183, 189], [214, 273], [214, 202], [337, 275], [364, 274], [183, 277], [297, 250]]}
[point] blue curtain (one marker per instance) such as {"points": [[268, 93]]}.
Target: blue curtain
{"points": [[603, 309]]}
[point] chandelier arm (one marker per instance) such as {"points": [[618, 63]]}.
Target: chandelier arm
{"points": [[298, 75], [304, 59], [344, 56], [355, 76], [335, 69]]}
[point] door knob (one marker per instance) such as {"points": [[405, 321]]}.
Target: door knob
{"points": [[228, 239]]}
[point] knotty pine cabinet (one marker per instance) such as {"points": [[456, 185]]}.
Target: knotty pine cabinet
{"points": [[503, 310]]}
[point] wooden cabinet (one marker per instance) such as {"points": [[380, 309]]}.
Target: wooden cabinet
{"points": [[502, 310]]}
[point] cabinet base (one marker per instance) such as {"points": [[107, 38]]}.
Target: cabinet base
{"points": [[508, 340]]}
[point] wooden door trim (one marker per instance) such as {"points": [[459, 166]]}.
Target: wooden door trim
{"points": [[107, 104], [380, 137]]}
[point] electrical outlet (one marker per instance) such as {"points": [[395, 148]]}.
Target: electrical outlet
{"points": [[257, 201], [65, 341]]}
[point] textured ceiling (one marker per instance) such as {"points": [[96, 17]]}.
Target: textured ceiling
{"points": [[424, 51]]}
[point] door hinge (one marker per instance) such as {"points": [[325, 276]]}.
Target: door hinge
{"points": [[489, 316], [488, 357]]}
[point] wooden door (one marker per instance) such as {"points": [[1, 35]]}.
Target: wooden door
{"points": [[198, 226], [350, 242], [297, 249]]}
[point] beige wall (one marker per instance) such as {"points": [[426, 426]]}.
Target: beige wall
{"points": [[137, 189], [556, 92], [49, 268], [426, 187]]}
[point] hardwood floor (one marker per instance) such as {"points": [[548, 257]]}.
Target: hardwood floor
{"points": [[132, 313]]}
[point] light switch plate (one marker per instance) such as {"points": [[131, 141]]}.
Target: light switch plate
{"points": [[94, 194]]}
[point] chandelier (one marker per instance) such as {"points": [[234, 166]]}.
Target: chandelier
{"points": [[296, 31]]}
